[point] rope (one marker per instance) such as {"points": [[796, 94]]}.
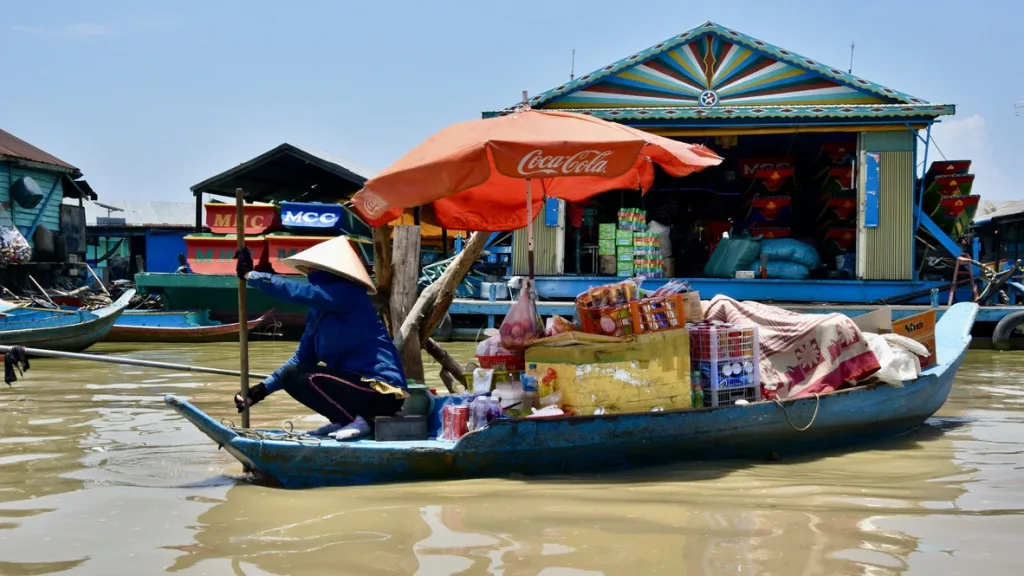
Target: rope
{"points": [[288, 435], [817, 403]]}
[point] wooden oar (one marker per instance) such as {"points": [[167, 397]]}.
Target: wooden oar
{"points": [[129, 362], [243, 315]]}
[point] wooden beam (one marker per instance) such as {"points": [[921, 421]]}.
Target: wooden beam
{"points": [[404, 290], [433, 303], [382, 274], [448, 364]]}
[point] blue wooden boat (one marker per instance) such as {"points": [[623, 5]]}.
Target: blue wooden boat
{"points": [[176, 326], [574, 444], [64, 330]]}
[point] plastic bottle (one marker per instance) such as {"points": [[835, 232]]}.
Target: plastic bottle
{"points": [[531, 381]]}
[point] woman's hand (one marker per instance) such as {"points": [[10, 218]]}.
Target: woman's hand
{"points": [[256, 394], [245, 263]]}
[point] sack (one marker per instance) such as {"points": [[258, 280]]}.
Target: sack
{"points": [[732, 254], [521, 325], [791, 250], [14, 249]]}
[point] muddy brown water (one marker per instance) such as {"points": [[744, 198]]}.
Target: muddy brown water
{"points": [[97, 476]]}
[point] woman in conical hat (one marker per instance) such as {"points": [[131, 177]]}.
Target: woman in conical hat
{"points": [[363, 377]]}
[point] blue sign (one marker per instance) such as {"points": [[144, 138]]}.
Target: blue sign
{"points": [[551, 212], [872, 186], [311, 215]]}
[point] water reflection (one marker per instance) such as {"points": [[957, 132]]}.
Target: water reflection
{"points": [[98, 477]]}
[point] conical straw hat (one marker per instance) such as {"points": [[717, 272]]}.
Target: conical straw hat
{"points": [[336, 256]]}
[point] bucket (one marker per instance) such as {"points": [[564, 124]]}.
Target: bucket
{"points": [[419, 402]]}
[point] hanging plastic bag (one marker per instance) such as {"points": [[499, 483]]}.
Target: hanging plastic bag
{"points": [[14, 249], [522, 325]]}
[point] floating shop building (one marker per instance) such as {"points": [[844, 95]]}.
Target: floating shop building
{"points": [[811, 152]]}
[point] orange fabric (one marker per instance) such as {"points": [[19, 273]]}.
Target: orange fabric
{"points": [[474, 172]]}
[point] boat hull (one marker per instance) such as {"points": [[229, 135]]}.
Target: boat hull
{"points": [[176, 327], [63, 330], [595, 443]]}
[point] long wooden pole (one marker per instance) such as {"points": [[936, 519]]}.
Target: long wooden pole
{"points": [[43, 353], [243, 315], [93, 272], [40, 288]]}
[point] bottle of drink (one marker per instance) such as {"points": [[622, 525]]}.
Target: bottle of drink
{"points": [[531, 380], [697, 394]]}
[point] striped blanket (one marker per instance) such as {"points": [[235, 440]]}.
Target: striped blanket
{"points": [[801, 354]]}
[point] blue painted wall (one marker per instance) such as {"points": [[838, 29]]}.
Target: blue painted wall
{"points": [[24, 218], [162, 249]]}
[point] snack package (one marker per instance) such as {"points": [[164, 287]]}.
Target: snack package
{"points": [[492, 347], [557, 325], [522, 324]]}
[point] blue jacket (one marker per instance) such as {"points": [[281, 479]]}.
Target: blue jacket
{"points": [[342, 328]]}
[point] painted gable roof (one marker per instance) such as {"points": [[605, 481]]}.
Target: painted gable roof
{"points": [[713, 67]]}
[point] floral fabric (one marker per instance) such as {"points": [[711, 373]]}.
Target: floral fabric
{"points": [[801, 354]]}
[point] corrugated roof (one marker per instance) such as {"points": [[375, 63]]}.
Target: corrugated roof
{"points": [[142, 213], [14, 147], [992, 210]]}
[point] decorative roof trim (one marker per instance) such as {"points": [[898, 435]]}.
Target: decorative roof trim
{"points": [[748, 112], [780, 54]]}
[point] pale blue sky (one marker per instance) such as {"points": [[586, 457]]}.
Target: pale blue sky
{"points": [[149, 98]]}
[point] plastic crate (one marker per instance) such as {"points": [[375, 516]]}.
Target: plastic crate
{"points": [[658, 314], [609, 320], [502, 363], [725, 362]]}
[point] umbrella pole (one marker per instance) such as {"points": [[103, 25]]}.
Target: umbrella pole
{"points": [[529, 226]]}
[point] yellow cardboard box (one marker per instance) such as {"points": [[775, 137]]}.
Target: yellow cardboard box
{"points": [[619, 375]]}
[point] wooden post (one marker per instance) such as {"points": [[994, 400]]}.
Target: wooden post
{"points": [[382, 273], [404, 290], [243, 316], [433, 303]]}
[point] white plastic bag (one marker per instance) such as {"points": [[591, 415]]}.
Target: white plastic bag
{"points": [[897, 357]]}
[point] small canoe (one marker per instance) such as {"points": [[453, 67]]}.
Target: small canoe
{"points": [[562, 445], [63, 330], [183, 326]]}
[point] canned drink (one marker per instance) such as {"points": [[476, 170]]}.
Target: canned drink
{"points": [[460, 421]]}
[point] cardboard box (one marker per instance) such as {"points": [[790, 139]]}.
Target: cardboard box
{"points": [[692, 307], [625, 256], [606, 231], [919, 327], [624, 238], [630, 376]]}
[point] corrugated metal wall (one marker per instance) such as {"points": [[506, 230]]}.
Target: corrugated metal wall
{"points": [[23, 217], [549, 247], [889, 247]]}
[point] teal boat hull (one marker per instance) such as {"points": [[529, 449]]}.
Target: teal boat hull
{"points": [[62, 330], [578, 444]]}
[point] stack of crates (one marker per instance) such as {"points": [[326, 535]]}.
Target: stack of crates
{"points": [[625, 253], [647, 259], [725, 363]]}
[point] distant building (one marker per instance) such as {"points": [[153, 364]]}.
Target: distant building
{"points": [[122, 234], [34, 187]]}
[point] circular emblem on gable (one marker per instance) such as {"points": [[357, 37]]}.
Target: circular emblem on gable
{"points": [[708, 99]]}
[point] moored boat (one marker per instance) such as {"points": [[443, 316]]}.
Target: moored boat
{"points": [[180, 326], [574, 444], [63, 330]]}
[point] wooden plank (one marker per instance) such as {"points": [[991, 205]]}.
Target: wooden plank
{"points": [[404, 290]]}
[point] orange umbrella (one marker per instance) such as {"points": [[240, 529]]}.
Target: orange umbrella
{"points": [[473, 173]]}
